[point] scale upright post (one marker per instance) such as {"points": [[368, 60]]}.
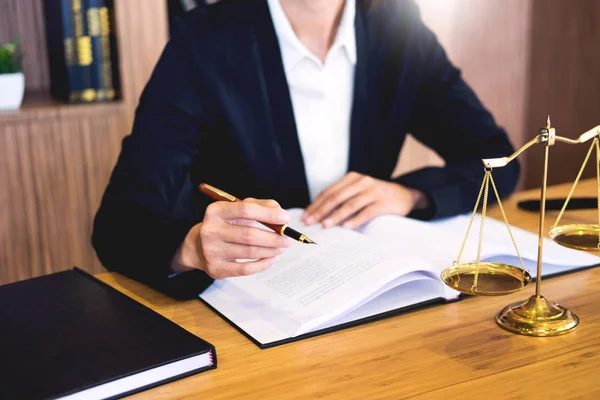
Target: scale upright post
{"points": [[537, 316]]}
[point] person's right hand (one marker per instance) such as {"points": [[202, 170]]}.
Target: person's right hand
{"points": [[226, 234]]}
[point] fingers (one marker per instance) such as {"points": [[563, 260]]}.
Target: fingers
{"points": [[364, 216], [247, 222], [222, 242], [227, 269], [332, 197], [227, 234], [241, 234], [348, 209], [234, 251], [250, 209], [267, 203]]}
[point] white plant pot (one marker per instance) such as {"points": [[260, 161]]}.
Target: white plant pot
{"points": [[12, 88]]}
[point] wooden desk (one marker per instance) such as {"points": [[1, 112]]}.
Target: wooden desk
{"points": [[443, 352]]}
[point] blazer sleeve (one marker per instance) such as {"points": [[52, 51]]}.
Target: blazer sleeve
{"points": [[449, 118], [135, 232]]}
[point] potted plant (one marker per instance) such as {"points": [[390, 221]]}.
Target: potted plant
{"points": [[12, 80]]}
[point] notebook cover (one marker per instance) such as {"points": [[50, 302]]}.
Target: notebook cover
{"points": [[66, 332]]}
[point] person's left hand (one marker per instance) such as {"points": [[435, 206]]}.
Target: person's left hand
{"points": [[356, 199]]}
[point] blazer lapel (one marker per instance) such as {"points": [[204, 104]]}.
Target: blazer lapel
{"points": [[358, 158], [293, 189]]}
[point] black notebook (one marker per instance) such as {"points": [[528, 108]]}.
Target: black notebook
{"points": [[68, 335]]}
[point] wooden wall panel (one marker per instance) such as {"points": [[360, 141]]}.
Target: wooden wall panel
{"points": [[143, 28], [565, 82], [24, 18], [56, 159], [489, 41], [525, 59], [52, 175]]}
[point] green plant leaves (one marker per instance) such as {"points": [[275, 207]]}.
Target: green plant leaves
{"points": [[10, 57]]}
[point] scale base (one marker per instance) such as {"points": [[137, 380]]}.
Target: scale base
{"points": [[537, 316]]}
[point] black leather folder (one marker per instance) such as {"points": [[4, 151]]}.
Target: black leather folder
{"points": [[68, 335]]}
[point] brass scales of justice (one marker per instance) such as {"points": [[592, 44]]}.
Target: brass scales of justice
{"points": [[535, 316]]}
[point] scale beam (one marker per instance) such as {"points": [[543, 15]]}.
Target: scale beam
{"points": [[592, 133], [503, 161], [547, 137]]}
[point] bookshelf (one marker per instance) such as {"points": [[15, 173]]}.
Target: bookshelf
{"points": [[56, 158], [39, 105]]}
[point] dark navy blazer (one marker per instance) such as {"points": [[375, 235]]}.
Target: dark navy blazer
{"points": [[217, 109]]}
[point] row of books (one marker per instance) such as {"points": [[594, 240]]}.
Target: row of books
{"points": [[82, 50]]}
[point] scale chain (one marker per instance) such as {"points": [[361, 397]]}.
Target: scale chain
{"points": [[506, 222], [462, 247], [587, 157], [488, 174]]}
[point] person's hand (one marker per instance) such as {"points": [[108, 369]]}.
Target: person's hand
{"points": [[226, 234], [356, 199]]}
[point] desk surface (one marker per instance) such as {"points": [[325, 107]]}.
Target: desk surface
{"points": [[447, 351]]}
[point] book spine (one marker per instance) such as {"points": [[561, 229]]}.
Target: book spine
{"points": [[84, 92], [99, 28], [114, 47], [58, 16]]}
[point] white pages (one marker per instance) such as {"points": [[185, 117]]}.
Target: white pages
{"points": [[389, 264]]}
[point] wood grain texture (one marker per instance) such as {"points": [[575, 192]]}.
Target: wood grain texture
{"points": [[443, 352], [489, 42], [24, 19], [55, 159], [53, 172], [142, 28], [39, 105], [564, 82]]}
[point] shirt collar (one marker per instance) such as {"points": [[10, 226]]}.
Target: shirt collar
{"points": [[293, 50]]}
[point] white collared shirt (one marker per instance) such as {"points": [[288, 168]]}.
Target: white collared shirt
{"points": [[321, 95]]}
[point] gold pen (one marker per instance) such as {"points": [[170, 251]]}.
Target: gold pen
{"points": [[283, 230]]}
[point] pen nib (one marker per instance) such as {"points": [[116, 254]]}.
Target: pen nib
{"points": [[306, 240]]}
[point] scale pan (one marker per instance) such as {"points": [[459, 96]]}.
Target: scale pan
{"points": [[495, 279], [576, 236]]}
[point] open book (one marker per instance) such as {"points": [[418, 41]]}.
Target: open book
{"points": [[389, 265]]}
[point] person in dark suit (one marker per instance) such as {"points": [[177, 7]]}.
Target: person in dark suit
{"points": [[302, 103], [175, 8]]}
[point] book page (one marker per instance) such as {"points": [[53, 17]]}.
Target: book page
{"points": [[306, 279], [416, 291], [498, 246], [266, 326], [413, 238], [310, 284], [439, 242]]}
